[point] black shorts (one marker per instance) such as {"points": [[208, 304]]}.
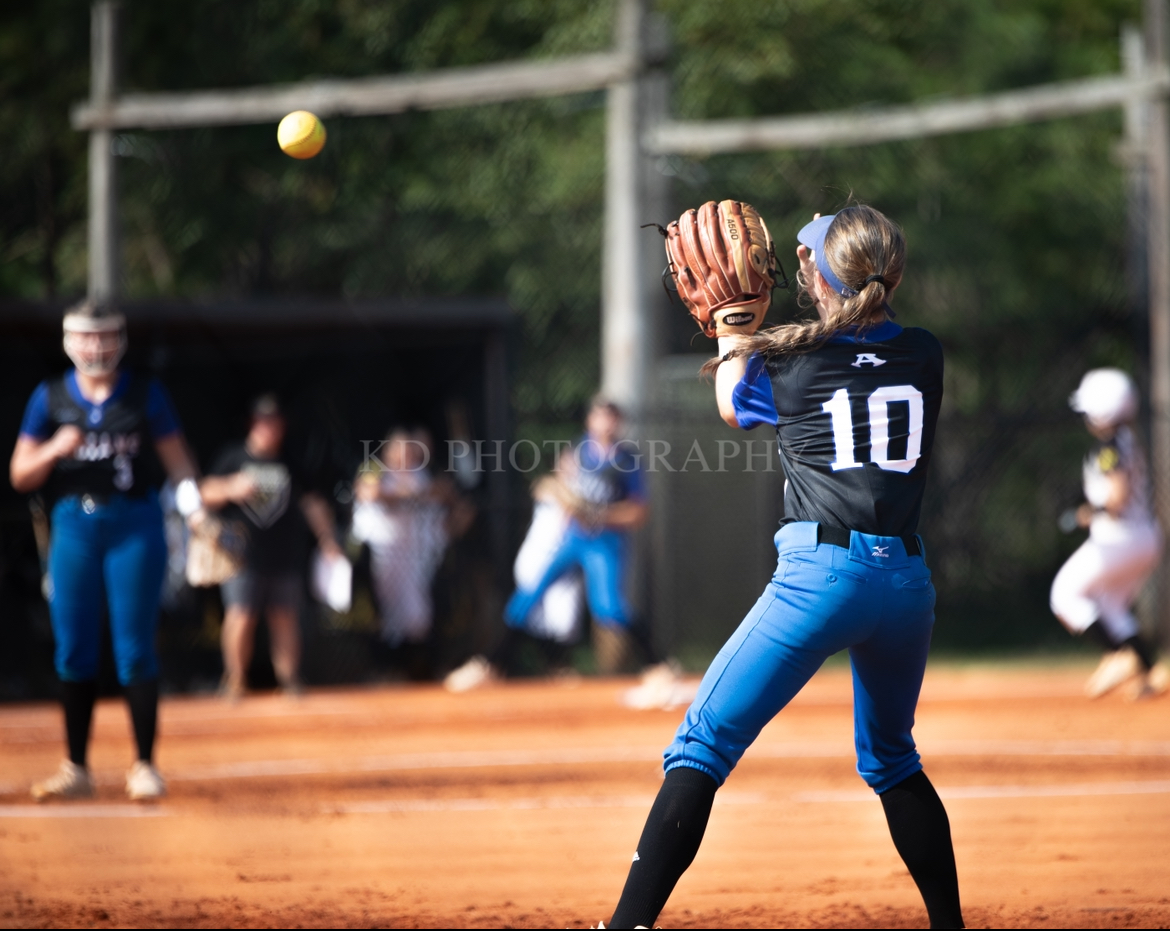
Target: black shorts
{"points": [[256, 591]]}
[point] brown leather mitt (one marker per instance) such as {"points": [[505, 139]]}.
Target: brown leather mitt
{"points": [[724, 266]]}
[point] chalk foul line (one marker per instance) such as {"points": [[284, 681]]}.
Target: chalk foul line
{"points": [[393, 806], [455, 759], [1057, 790], [81, 810], [468, 759], [536, 803]]}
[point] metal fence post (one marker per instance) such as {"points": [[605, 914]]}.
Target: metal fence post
{"points": [[623, 311], [1158, 154], [103, 178]]}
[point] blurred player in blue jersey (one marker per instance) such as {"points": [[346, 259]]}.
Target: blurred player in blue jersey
{"points": [[97, 443], [606, 497], [600, 484], [853, 398]]}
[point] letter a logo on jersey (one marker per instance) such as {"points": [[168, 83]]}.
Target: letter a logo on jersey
{"points": [[864, 358]]}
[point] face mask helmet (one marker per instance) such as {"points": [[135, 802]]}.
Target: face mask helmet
{"points": [[95, 337]]}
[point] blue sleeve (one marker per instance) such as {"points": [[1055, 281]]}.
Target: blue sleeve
{"points": [[752, 397], [160, 413], [35, 424]]}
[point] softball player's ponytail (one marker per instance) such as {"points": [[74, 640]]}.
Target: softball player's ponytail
{"points": [[866, 252]]}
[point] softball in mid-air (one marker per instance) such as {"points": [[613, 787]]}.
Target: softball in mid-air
{"points": [[301, 134]]}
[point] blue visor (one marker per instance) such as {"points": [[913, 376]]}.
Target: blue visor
{"points": [[813, 235]]}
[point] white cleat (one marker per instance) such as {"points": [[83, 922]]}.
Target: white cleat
{"points": [[1138, 689], [70, 781], [1148, 684], [1115, 669], [655, 689], [662, 687], [474, 674], [143, 782], [1159, 678]]}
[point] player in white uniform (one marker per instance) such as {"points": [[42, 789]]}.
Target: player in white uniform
{"points": [[1094, 591], [557, 616], [401, 515]]}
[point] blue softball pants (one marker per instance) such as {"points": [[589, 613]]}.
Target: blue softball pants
{"points": [[113, 556], [601, 556], [872, 599]]}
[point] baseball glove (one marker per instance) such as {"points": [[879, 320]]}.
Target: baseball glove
{"points": [[215, 551], [554, 489], [724, 266]]}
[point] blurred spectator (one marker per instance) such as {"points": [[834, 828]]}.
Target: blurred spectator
{"points": [[253, 484], [407, 517]]}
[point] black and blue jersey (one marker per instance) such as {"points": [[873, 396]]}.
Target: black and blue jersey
{"points": [[855, 423], [117, 455], [607, 476]]}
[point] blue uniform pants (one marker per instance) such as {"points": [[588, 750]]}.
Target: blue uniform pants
{"points": [[871, 599], [601, 557], [115, 558]]}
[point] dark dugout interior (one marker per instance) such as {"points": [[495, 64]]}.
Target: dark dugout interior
{"points": [[346, 373]]}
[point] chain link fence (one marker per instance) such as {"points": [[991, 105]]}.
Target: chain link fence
{"points": [[1000, 479], [1002, 474]]}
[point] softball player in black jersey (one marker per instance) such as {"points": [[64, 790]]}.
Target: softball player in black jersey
{"points": [[854, 399]]}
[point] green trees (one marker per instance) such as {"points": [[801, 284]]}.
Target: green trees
{"points": [[1017, 236], [1017, 243]]}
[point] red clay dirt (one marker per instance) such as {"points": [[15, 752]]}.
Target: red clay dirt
{"points": [[520, 806]]}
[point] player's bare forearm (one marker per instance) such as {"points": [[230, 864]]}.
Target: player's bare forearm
{"points": [[550, 488], [392, 496], [220, 490], [545, 489], [459, 511], [176, 457], [1118, 496], [319, 516], [626, 515], [727, 376], [31, 464], [32, 461]]}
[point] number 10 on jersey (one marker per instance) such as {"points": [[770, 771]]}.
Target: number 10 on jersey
{"points": [[839, 409]]}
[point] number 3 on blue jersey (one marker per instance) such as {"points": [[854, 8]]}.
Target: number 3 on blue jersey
{"points": [[838, 408]]}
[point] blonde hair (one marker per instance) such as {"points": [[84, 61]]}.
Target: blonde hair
{"points": [[867, 252]]}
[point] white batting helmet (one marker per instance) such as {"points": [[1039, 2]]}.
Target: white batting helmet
{"points": [[1107, 397]]}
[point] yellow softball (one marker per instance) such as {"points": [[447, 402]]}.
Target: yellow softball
{"points": [[301, 134]]}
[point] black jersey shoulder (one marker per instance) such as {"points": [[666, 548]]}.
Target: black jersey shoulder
{"points": [[911, 352], [909, 341], [920, 341]]}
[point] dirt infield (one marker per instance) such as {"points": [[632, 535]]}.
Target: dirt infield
{"points": [[520, 806]]}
